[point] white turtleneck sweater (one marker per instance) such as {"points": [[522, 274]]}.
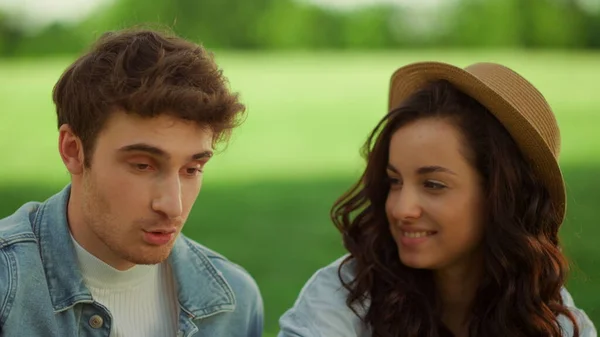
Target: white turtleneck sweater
{"points": [[141, 300]]}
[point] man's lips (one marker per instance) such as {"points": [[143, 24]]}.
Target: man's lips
{"points": [[162, 230], [159, 237]]}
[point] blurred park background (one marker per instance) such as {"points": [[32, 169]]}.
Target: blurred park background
{"points": [[314, 76]]}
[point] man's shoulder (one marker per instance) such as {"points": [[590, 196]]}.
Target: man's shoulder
{"points": [[237, 277], [243, 294], [20, 263], [17, 227], [208, 252]]}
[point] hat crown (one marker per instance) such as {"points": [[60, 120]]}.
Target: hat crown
{"points": [[525, 99]]}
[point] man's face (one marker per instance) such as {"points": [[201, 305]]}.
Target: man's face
{"points": [[144, 177]]}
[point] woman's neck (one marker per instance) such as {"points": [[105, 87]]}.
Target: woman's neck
{"points": [[456, 288]]}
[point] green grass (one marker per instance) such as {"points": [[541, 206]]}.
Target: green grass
{"points": [[265, 200]]}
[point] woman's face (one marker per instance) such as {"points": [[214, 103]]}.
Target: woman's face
{"points": [[435, 202]]}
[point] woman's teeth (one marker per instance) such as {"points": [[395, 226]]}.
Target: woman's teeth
{"points": [[417, 234]]}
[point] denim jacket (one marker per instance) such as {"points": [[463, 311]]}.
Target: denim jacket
{"points": [[42, 292], [321, 310]]}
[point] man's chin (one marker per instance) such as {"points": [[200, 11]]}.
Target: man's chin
{"points": [[151, 256], [148, 261]]}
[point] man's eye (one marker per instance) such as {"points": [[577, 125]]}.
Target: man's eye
{"points": [[141, 167], [193, 171]]}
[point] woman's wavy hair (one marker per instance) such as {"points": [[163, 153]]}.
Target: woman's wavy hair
{"points": [[524, 269]]}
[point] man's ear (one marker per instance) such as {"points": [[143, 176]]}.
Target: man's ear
{"points": [[71, 150]]}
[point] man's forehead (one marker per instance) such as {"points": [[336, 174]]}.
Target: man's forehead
{"points": [[159, 123], [154, 135]]}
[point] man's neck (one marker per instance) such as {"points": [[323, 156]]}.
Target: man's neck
{"points": [[100, 274], [87, 239]]}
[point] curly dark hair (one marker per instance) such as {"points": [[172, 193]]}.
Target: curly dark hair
{"points": [[144, 72], [524, 269]]}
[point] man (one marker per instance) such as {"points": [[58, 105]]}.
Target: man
{"points": [[139, 116]]}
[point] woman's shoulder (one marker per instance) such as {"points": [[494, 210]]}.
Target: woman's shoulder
{"points": [[586, 327], [328, 277], [321, 309]]}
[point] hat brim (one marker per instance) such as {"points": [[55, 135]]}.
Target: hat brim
{"points": [[413, 77]]}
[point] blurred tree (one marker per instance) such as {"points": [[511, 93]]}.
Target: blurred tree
{"points": [[298, 24], [10, 35], [552, 24], [55, 39], [370, 27], [294, 25], [590, 20], [518, 23], [215, 23], [592, 27], [525, 21], [491, 23]]}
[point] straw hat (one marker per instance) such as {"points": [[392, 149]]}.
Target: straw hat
{"points": [[515, 102]]}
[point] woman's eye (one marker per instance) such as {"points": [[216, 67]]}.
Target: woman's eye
{"points": [[394, 183], [434, 185]]}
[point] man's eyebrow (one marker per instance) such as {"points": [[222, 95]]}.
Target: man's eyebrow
{"points": [[150, 149], [202, 155], [142, 147]]}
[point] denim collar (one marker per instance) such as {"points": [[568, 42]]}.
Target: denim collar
{"points": [[201, 288]]}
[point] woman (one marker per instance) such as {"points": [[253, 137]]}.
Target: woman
{"points": [[452, 229]]}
